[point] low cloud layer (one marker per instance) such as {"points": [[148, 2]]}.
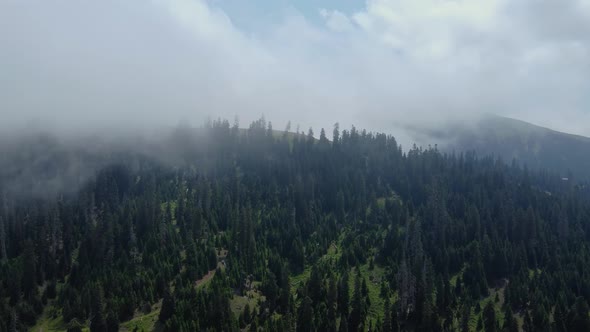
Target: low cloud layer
{"points": [[82, 65]]}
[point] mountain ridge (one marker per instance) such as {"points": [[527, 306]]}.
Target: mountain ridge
{"points": [[511, 139]]}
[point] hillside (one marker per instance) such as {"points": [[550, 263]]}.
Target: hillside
{"points": [[536, 147], [246, 230]]}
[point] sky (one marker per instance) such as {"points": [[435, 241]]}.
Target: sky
{"points": [[378, 64]]}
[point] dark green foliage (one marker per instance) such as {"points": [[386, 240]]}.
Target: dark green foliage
{"points": [[489, 318], [305, 320], [578, 319], [112, 322], [314, 235], [168, 307], [98, 321], [344, 295]]}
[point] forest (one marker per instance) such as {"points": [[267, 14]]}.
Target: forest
{"points": [[259, 229]]}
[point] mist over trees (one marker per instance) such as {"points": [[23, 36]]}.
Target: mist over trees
{"points": [[229, 229]]}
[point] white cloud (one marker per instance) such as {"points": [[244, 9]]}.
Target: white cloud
{"points": [[527, 59], [336, 20], [394, 61], [428, 28]]}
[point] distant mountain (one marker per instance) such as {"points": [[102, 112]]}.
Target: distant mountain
{"points": [[534, 146]]}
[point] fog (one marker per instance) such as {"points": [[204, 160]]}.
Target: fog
{"points": [[87, 77], [90, 65], [47, 164]]}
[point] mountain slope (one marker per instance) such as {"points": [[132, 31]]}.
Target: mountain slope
{"points": [[528, 144], [244, 231]]}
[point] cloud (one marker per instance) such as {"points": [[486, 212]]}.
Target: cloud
{"points": [[145, 63], [428, 28], [336, 20], [528, 59]]}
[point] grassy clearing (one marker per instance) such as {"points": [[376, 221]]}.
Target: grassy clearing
{"points": [[252, 298], [382, 200], [206, 279], [394, 197], [300, 279], [164, 206], [145, 322], [456, 276], [333, 254], [534, 272], [497, 306], [50, 320], [373, 279], [520, 321]]}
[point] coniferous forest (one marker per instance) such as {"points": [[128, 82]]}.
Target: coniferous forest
{"points": [[263, 230]]}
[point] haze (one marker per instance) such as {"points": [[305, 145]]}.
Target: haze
{"points": [[81, 65]]}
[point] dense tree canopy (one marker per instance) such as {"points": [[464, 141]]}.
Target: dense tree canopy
{"points": [[260, 230]]}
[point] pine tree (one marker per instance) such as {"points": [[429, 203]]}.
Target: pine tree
{"points": [[112, 322], [510, 323], [387, 326], [332, 304], [489, 318], [356, 317], [336, 135], [343, 327], [305, 321], [578, 319], [29, 283], [97, 319], [343, 295], [168, 307], [13, 321], [3, 254]]}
